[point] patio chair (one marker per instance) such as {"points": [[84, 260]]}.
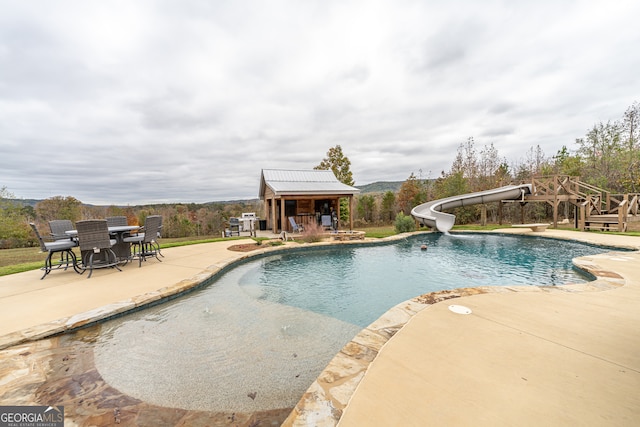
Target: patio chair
{"points": [[234, 226], [326, 222], [159, 236], [145, 244], [59, 227], [64, 247], [295, 227], [116, 221], [95, 245]]}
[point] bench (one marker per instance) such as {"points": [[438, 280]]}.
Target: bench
{"points": [[534, 227], [603, 225]]}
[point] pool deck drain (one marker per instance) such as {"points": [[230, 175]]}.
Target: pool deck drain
{"points": [[565, 355]]}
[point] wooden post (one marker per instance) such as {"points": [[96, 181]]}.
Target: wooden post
{"points": [[556, 186], [622, 215], [583, 216], [483, 215], [283, 224], [500, 212], [350, 212], [274, 220]]}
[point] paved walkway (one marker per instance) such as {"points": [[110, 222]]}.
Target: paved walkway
{"points": [[552, 357]]}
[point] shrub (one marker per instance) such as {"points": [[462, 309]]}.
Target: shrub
{"points": [[404, 223], [313, 233]]}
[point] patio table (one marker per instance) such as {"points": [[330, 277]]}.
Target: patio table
{"points": [[122, 249]]}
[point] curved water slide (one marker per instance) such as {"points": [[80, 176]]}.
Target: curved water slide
{"points": [[431, 215]]}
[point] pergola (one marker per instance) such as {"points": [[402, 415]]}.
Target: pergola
{"points": [[305, 195]]}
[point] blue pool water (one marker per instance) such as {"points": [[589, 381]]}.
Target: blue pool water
{"points": [[357, 285], [267, 327]]}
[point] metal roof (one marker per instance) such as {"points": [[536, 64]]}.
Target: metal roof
{"points": [[303, 182]]}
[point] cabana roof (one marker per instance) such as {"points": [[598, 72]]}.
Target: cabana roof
{"points": [[303, 182]]}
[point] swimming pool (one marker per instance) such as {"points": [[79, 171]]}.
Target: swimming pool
{"points": [[258, 336], [357, 285]]}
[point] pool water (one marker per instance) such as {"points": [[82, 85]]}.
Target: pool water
{"points": [[257, 337], [357, 285]]}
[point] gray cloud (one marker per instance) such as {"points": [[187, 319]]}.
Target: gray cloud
{"points": [[138, 102]]}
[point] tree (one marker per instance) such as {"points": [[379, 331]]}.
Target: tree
{"points": [[490, 169], [466, 162], [631, 146], [366, 207], [452, 184], [503, 174], [14, 228], [601, 149], [59, 207], [339, 164], [411, 194], [388, 208], [567, 164]]}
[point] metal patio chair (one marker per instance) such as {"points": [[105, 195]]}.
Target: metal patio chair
{"points": [[64, 247], [145, 244], [95, 245]]}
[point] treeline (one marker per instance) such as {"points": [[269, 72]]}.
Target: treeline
{"points": [[179, 220], [608, 157]]}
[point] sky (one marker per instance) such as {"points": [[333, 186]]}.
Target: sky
{"points": [[135, 102]]}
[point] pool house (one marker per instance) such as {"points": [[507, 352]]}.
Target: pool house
{"points": [[308, 196]]}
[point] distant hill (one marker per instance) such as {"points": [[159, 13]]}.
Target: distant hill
{"points": [[380, 187], [375, 187], [25, 202]]}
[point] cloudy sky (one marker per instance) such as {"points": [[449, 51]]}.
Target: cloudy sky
{"points": [[131, 102]]}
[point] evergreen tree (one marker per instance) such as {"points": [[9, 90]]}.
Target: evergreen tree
{"points": [[339, 164], [366, 207], [388, 210]]}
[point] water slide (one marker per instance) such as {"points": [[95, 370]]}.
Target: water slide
{"points": [[431, 215]]}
